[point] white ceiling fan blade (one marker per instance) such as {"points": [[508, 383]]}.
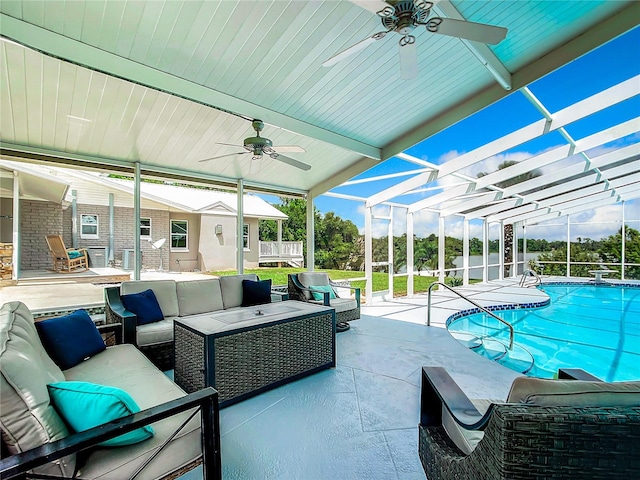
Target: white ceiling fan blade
{"points": [[229, 144], [477, 32], [290, 161], [374, 6], [221, 156], [353, 49], [289, 149], [408, 61]]}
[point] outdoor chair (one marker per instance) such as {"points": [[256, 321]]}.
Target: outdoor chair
{"points": [[573, 427], [66, 260], [317, 287]]}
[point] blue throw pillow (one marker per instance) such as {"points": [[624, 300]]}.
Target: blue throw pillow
{"points": [[256, 293], [70, 339], [325, 288], [85, 405], [144, 305]]}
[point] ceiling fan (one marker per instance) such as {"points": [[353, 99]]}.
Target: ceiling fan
{"points": [[259, 146], [403, 17]]}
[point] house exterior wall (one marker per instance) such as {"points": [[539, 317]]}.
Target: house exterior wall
{"points": [[124, 233], [37, 220], [186, 261], [219, 251]]}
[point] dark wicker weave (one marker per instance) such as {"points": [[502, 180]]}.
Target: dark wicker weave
{"points": [[523, 441], [245, 362], [532, 442], [296, 292]]}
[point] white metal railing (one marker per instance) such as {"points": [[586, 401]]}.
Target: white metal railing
{"points": [[288, 250]]}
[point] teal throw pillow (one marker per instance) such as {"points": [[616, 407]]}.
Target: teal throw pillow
{"points": [[325, 288], [75, 254], [85, 405]]}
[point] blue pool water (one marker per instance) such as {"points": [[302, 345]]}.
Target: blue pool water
{"points": [[596, 328]]}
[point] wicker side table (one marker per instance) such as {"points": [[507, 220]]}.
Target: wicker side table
{"points": [[247, 351]]}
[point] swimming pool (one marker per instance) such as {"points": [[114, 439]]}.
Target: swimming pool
{"points": [[593, 327]]}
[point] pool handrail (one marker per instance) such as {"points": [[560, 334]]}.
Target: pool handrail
{"points": [[530, 273], [477, 305]]}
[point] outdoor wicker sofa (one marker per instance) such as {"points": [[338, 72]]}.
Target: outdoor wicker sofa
{"points": [[176, 299], [36, 434], [312, 287], [565, 428]]}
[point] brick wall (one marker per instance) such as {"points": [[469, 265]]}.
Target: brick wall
{"points": [[37, 220]]}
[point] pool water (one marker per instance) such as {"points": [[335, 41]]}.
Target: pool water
{"points": [[593, 327]]}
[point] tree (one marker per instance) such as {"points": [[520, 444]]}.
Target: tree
{"points": [[611, 251], [336, 240]]}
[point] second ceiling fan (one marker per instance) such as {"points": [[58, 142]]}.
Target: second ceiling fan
{"points": [[259, 146], [403, 17]]}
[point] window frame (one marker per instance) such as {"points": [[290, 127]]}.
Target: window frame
{"points": [[185, 235], [146, 237], [246, 247], [85, 224]]}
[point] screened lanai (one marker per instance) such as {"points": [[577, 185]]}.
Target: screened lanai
{"points": [[169, 90]]}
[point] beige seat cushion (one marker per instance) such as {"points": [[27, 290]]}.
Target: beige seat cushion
{"points": [[155, 332], [311, 279], [339, 304], [231, 287], [199, 296], [164, 290], [547, 392], [27, 417], [123, 366]]}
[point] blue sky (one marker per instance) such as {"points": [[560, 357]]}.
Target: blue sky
{"points": [[610, 64]]}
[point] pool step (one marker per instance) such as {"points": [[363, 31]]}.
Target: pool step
{"points": [[469, 340], [518, 359], [492, 349]]}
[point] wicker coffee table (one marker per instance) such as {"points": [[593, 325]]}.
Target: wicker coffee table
{"points": [[246, 351]]}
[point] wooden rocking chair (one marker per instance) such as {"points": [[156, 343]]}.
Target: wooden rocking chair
{"points": [[66, 260]]}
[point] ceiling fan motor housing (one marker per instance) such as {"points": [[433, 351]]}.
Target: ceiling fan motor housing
{"points": [[406, 15]]}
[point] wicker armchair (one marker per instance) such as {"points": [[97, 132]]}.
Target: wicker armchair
{"points": [[301, 288], [527, 441]]}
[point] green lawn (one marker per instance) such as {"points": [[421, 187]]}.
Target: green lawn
{"points": [[278, 276]]}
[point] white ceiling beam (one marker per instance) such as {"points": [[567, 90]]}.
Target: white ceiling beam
{"points": [[383, 177], [542, 127], [502, 205], [563, 207], [481, 51], [525, 166], [37, 154], [400, 188], [605, 30], [630, 151], [470, 204], [79, 53], [556, 154], [438, 198]]}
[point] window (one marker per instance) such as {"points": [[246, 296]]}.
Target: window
{"points": [[179, 235], [89, 226], [245, 236], [145, 228]]}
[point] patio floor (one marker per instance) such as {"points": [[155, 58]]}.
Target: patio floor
{"points": [[359, 421]]}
